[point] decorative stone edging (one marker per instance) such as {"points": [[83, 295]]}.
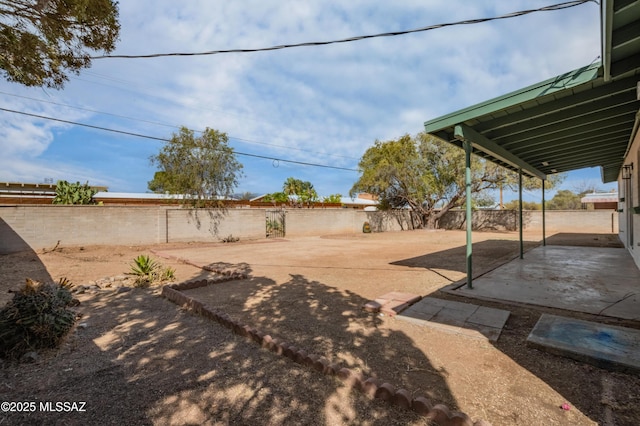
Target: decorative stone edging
{"points": [[370, 386], [188, 262]]}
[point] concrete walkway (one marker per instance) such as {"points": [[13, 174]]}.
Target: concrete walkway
{"points": [[458, 318], [595, 280]]}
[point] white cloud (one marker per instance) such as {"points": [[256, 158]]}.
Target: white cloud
{"points": [[332, 101]]}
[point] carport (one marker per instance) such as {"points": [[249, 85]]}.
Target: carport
{"points": [[584, 118]]}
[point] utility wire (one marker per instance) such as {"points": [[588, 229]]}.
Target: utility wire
{"points": [[174, 126], [554, 7], [139, 135]]}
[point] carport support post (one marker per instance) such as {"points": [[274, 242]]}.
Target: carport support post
{"points": [[544, 233], [467, 178], [520, 211]]}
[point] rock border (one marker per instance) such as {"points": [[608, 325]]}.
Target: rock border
{"points": [[369, 386]]}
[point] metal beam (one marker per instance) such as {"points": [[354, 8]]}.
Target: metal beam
{"points": [[598, 119], [544, 231], [480, 142], [532, 93], [469, 213], [606, 13], [575, 100], [521, 221]]}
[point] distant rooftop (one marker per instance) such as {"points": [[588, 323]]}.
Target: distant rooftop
{"points": [[600, 197], [143, 196], [24, 187]]}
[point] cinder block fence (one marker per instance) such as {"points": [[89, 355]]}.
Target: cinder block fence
{"points": [[24, 227]]}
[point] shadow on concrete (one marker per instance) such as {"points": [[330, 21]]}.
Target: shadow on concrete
{"points": [[486, 256]]}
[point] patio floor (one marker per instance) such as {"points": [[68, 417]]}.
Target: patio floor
{"points": [[595, 280]]}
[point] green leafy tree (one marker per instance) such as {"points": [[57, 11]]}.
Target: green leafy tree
{"points": [[565, 200], [526, 205], [159, 183], [41, 41], [202, 168], [333, 198], [277, 197], [509, 179], [73, 193], [303, 191], [424, 174]]}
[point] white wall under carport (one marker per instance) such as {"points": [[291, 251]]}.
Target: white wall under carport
{"points": [[629, 192]]}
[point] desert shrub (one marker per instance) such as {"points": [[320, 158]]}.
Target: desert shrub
{"points": [[230, 239], [38, 316], [168, 274], [148, 271]]}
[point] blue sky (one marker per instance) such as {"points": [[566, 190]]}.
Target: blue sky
{"points": [[322, 105]]}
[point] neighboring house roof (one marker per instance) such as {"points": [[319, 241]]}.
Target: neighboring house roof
{"points": [[358, 201], [144, 196], [585, 118], [343, 200], [602, 197], [36, 188]]}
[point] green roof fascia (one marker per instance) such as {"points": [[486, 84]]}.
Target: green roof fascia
{"points": [[606, 33], [480, 142], [547, 87]]}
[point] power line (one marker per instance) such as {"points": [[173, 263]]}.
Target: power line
{"points": [[139, 135], [554, 7], [174, 126]]}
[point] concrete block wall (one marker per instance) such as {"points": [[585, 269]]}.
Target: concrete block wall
{"points": [[307, 222], [380, 221], [184, 225], [310, 222], [24, 227], [594, 221], [42, 226], [485, 220]]}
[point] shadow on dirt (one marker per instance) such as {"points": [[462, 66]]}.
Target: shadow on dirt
{"points": [[330, 322], [601, 395], [142, 360]]}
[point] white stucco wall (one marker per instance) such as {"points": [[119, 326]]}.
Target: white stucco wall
{"points": [[631, 201]]}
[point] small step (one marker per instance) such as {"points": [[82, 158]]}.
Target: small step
{"points": [[605, 346], [391, 303]]}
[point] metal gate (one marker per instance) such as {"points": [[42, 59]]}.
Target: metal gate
{"points": [[275, 223]]}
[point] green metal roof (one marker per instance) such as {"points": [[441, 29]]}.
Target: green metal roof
{"points": [[584, 118]]}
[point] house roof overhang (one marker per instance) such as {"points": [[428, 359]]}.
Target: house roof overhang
{"points": [[583, 118]]}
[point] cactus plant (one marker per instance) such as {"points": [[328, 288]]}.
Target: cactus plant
{"points": [[73, 193], [38, 316]]}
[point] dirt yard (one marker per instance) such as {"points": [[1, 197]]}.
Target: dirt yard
{"points": [[134, 358]]}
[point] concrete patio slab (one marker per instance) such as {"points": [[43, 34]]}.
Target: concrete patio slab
{"points": [[596, 280], [610, 347], [456, 317]]}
